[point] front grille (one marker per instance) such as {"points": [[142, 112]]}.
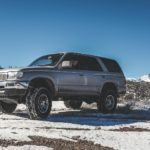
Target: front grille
{"points": [[3, 97], [3, 76]]}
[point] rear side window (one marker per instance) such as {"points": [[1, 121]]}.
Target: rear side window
{"points": [[111, 65], [89, 63]]}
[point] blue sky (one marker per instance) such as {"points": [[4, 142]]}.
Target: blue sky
{"points": [[119, 29]]}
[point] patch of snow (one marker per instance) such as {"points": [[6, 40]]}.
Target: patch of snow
{"points": [[55, 106], [143, 106], [120, 140], [21, 108], [58, 105], [26, 147]]}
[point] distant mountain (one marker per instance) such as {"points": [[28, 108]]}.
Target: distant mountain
{"points": [[132, 79], [145, 78]]}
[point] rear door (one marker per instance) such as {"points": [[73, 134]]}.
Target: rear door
{"points": [[93, 74]]}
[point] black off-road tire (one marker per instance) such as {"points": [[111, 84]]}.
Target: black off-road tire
{"points": [[73, 104], [103, 103], [8, 108], [33, 106]]}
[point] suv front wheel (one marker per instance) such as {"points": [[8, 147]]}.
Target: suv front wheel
{"points": [[107, 102], [38, 102]]}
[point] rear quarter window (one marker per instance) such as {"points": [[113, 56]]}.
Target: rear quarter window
{"points": [[111, 65]]}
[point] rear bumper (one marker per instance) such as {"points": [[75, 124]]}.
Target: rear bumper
{"points": [[122, 91]]}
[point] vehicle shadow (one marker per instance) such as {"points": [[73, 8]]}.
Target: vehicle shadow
{"points": [[92, 117]]}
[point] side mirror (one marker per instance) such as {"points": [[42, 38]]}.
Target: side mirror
{"points": [[66, 64]]}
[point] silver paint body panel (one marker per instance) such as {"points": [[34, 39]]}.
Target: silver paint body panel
{"points": [[68, 82]]}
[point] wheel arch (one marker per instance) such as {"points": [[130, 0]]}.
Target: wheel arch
{"points": [[42, 81], [110, 86]]}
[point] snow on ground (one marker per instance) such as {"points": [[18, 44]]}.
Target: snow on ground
{"points": [[118, 131], [26, 147]]}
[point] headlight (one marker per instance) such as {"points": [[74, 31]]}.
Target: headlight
{"points": [[15, 75]]}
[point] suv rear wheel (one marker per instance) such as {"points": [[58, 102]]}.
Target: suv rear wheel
{"points": [[74, 104], [108, 102], [8, 107], [38, 102]]}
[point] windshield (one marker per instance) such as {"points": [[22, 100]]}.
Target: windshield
{"points": [[49, 60]]}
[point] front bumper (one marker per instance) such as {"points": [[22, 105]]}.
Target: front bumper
{"points": [[12, 91]]}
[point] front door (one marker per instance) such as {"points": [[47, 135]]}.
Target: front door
{"points": [[92, 74], [71, 81]]}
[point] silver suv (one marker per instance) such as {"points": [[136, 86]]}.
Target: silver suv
{"points": [[71, 77]]}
